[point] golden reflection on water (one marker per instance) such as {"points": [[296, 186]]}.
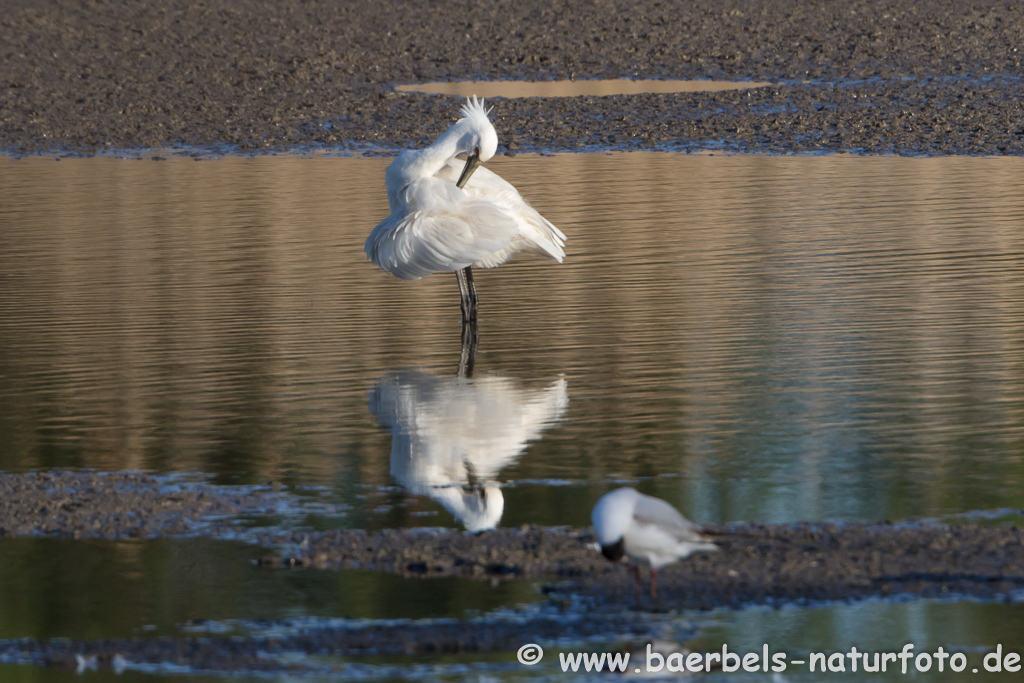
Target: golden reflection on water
{"points": [[614, 86], [754, 325]]}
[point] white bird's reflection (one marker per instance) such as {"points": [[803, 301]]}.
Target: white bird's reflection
{"points": [[450, 437]]}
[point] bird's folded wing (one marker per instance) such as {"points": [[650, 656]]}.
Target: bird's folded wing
{"points": [[657, 512], [487, 185], [420, 242]]}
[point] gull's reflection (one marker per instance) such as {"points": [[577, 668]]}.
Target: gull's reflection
{"points": [[450, 437]]}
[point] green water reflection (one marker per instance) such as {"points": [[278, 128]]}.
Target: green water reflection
{"points": [[98, 589], [28, 674], [18, 674]]}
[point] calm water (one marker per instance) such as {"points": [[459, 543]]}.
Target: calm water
{"points": [[153, 588], [769, 338], [752, 338]]}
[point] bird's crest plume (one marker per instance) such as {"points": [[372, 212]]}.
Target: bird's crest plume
{"points": [[474, 107]]}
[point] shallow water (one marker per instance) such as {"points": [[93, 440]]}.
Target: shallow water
{"points": [[752, 338], [756, 338], [874, 627], [194, 589], [58, 588], [577, 88]]}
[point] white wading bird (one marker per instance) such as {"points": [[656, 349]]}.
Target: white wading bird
{"points": [[450, 438], [645, 529], [444, 220]]}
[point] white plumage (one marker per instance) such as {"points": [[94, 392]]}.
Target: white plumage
{"points": [[449, 435], [434, 226], [645, 529]]}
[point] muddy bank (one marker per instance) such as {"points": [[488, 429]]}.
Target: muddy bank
{"points": [[870, 75], [116, 505], [589, 599], [757, 563]]}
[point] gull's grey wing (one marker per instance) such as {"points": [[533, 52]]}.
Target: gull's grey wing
{"points": [[655, 511]]}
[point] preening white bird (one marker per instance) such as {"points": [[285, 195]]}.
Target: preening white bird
{"points": [[447, 216], [450, 437], [645, 529]]}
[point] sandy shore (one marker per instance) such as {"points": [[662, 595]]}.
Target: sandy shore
{"points": [[757, 563], [587, 596], [869, 76]]}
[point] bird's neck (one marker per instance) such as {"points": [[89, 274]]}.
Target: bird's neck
{"points": [[423, 163], [435, 157]]}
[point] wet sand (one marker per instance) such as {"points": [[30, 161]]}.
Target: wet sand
{"points": [[120, 505], [587, 595], [869, 76], [757, 563]]}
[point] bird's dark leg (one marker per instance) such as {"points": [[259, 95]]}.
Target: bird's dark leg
{"points": [[468, 290], [470, 340], [654, 583], [639, 582], [466, 286]]}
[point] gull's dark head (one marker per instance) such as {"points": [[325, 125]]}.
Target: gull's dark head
{"points": [[615, 551]]}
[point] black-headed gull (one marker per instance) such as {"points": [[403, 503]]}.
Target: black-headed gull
{"points": [[646, 530]]}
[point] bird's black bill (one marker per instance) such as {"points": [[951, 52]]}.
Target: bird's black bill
{"points": [[471, 163], [466, 286], [615, 551]]}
